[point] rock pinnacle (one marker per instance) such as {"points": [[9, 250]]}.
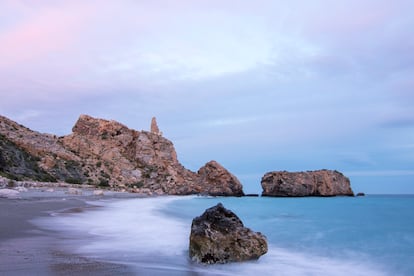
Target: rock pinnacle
{"points": [[154, 126]]}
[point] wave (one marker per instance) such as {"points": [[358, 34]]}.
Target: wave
{"points": [[139, 233]]}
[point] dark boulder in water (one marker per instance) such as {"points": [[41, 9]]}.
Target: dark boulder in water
{"points": [[219, 236], [360, 194]]}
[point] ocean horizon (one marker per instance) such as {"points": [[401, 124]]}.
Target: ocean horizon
{"points": [[371, 235]]}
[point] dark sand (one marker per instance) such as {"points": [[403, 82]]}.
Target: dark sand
{"points": [[28, 250]]}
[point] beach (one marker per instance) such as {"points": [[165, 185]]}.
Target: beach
{"points": [[55, 233], [26, 249]]}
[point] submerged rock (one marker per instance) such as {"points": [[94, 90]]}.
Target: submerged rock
{"points": [[219, 236], [310, 183]]}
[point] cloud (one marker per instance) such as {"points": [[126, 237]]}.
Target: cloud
{"points": [[46, 30], [195, 47], [281, 81]]}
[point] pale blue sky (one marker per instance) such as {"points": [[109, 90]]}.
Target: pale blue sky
{"points": [[256, 85]]}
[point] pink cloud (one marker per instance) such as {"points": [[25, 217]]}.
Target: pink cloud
{"points": [[42, 32]]}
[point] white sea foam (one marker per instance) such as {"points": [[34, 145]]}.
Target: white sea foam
{"points": [[9, 193], [280, 261], [133, 231], [123, 227]]}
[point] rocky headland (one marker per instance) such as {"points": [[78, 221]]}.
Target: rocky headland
{"points": [[310, 183], [108, 154]]}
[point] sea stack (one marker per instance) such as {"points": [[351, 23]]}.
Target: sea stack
{"points": [[310, 183], [219, 236]]}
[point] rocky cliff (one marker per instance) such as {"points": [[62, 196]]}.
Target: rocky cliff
{"points": [[17, 164], [108, 153], [311, 183]]}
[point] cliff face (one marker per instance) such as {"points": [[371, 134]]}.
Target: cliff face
{"points": [[311, 183], [40, 148], [108, 153], [17, 164]]}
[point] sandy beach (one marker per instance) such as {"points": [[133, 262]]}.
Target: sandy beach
{"points": [[25, 249]]}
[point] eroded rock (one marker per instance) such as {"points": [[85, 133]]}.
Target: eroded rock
{"points": [[218, 181], [219, 236], [310, 183], [154, 126], [108, 154]]}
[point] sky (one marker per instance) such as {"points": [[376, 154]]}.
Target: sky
{"points": [[258, 86]]}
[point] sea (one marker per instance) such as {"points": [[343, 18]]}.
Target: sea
{"points": [[370, 235]]}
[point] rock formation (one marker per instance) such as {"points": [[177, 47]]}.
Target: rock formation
{"points": [[219, 236], [16, 164], [154, 126], [108, 154], [219, 181], [311, 183]]}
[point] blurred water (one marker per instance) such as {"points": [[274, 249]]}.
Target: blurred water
{"points": [[372, 235]]}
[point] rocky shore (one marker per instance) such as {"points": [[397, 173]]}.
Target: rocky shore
{"points": [[108, 154]]}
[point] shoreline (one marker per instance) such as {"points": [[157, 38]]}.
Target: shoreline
{"points": [[29, 249], [26, 249]]}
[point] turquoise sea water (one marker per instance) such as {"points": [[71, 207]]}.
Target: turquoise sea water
{"points": [[372, 235]]}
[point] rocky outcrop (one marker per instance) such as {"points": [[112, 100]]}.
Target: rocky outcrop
{"points": [[17, 164], [219, 236], [55, 162], [154, 126], [218, 181], [310, 183], [108, 154]]}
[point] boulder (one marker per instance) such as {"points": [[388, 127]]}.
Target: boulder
{"points": [[217, 181], [219, 236], [310, 183], [360, 194]]}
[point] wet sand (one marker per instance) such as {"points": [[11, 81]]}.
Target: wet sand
{"points": [[28, 250]]}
